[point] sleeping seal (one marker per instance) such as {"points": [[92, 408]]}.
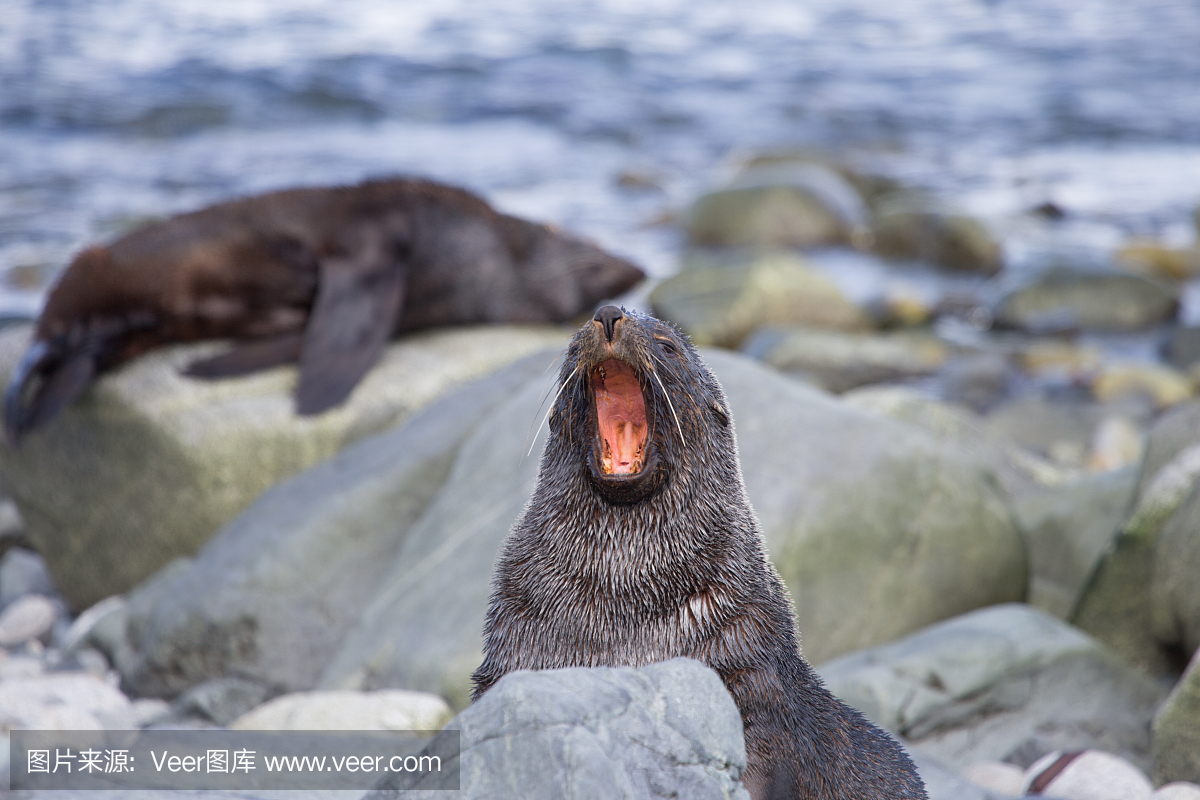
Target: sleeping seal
{"points": [[322, 276], [639, 545]]}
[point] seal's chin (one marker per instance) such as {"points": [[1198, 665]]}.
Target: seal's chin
{"points": [[622, 460]]}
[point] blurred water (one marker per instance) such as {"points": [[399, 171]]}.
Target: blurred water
{"points": [[112, 111]]}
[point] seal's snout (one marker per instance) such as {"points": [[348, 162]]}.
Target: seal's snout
{"points": [[608, 317]]}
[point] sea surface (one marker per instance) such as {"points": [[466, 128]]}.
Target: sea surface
{"points": [[113, 112]]}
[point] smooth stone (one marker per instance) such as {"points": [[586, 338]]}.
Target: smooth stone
{"points": [[1002, 778], [221, 700], [274, 593], [1067, 301], [1068, 530], [1182, 349], [26, 619], [1175, 591], [1177, 730], [1166, 386], [943, 783], [1091, 775], [794, 205], [1006, 683], [838, 361], [1179, 790], [908, 227], [1059, 431], [874, 525], [723, 304], [63, 701], [148, 464], [667, 730], [23, 572], [348, 710], [1153, 258], [1054, 357]]}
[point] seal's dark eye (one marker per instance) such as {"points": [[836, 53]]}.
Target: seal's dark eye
{"points": [[667, 347]]}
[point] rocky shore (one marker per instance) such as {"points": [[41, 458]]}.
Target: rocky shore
{"points": [[981, 489]]}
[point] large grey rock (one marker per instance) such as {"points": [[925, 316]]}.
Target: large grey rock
{"points": [[1064, 301], [667, 730], [1175, 592], [909, 228], [838, 361], [1005, 683], [1068, 530], [1177, 731], [723, 304], [148, 464], [270, 597], [877, 528], [780, 205]]}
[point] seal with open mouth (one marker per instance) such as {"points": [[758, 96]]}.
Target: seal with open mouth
{"points": [[639, 545]]}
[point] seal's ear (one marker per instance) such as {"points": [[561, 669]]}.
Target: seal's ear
{"points": [[359, 296], [719, 412]]}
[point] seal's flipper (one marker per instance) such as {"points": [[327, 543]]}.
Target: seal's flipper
{"points": [[43, 384], [245, 358], [358, 303]]}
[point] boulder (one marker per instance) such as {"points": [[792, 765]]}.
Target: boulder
{"points": [[722, 304], [270, 597], [148, 463], [781, 205], [1177, 730], [1008, 683], [838, 361], [1065, 301], [1175, 590], [910, 227], [1068, 530], [667, 730], [1087, 775], [877, 528], [388, 709]]}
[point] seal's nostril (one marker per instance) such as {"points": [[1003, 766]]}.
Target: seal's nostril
{"points": [[609, 316]]}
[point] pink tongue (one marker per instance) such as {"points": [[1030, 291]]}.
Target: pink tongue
{"points": [[621, 413]]}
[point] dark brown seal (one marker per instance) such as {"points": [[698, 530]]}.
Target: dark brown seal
{"points": [[324, 276], [639, 545]]}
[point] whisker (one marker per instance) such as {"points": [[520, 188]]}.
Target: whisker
{"points": [[670, 405], [550, 409], [546, 394]]}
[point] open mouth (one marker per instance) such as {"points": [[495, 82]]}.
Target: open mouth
{"points": [[620, 418]]}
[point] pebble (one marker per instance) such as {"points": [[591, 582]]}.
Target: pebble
{"points": [[1165, 385], [26, 619], [1089, 775], [1116, 443], [23, 572]]}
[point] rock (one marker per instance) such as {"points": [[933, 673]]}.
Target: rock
{"points": [[911, 228], [1181, 790], [783, 205], [1059, 431], [1165, 385], [1152, 258], [942, 783], [1067, 531], [221, 700], [1175, 590], [1182, 349], [1007, 683], [347, 710], [148, 464], [1005, 779], [12, 527], [976, 380], [1090, 775], [874, 525], [1066, 301], [272, 595], [1177, 730], [723, 304], [1116, 603], [1054, 357], [668, 730], [63, 701], [26, 619], [23, 572], [838, 361]]}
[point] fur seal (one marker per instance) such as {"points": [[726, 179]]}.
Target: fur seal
{"points": [[323, 276], [639, 545]]}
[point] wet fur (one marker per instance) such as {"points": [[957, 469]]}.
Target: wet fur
{"points": [[674, 567], [322, 276]]}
